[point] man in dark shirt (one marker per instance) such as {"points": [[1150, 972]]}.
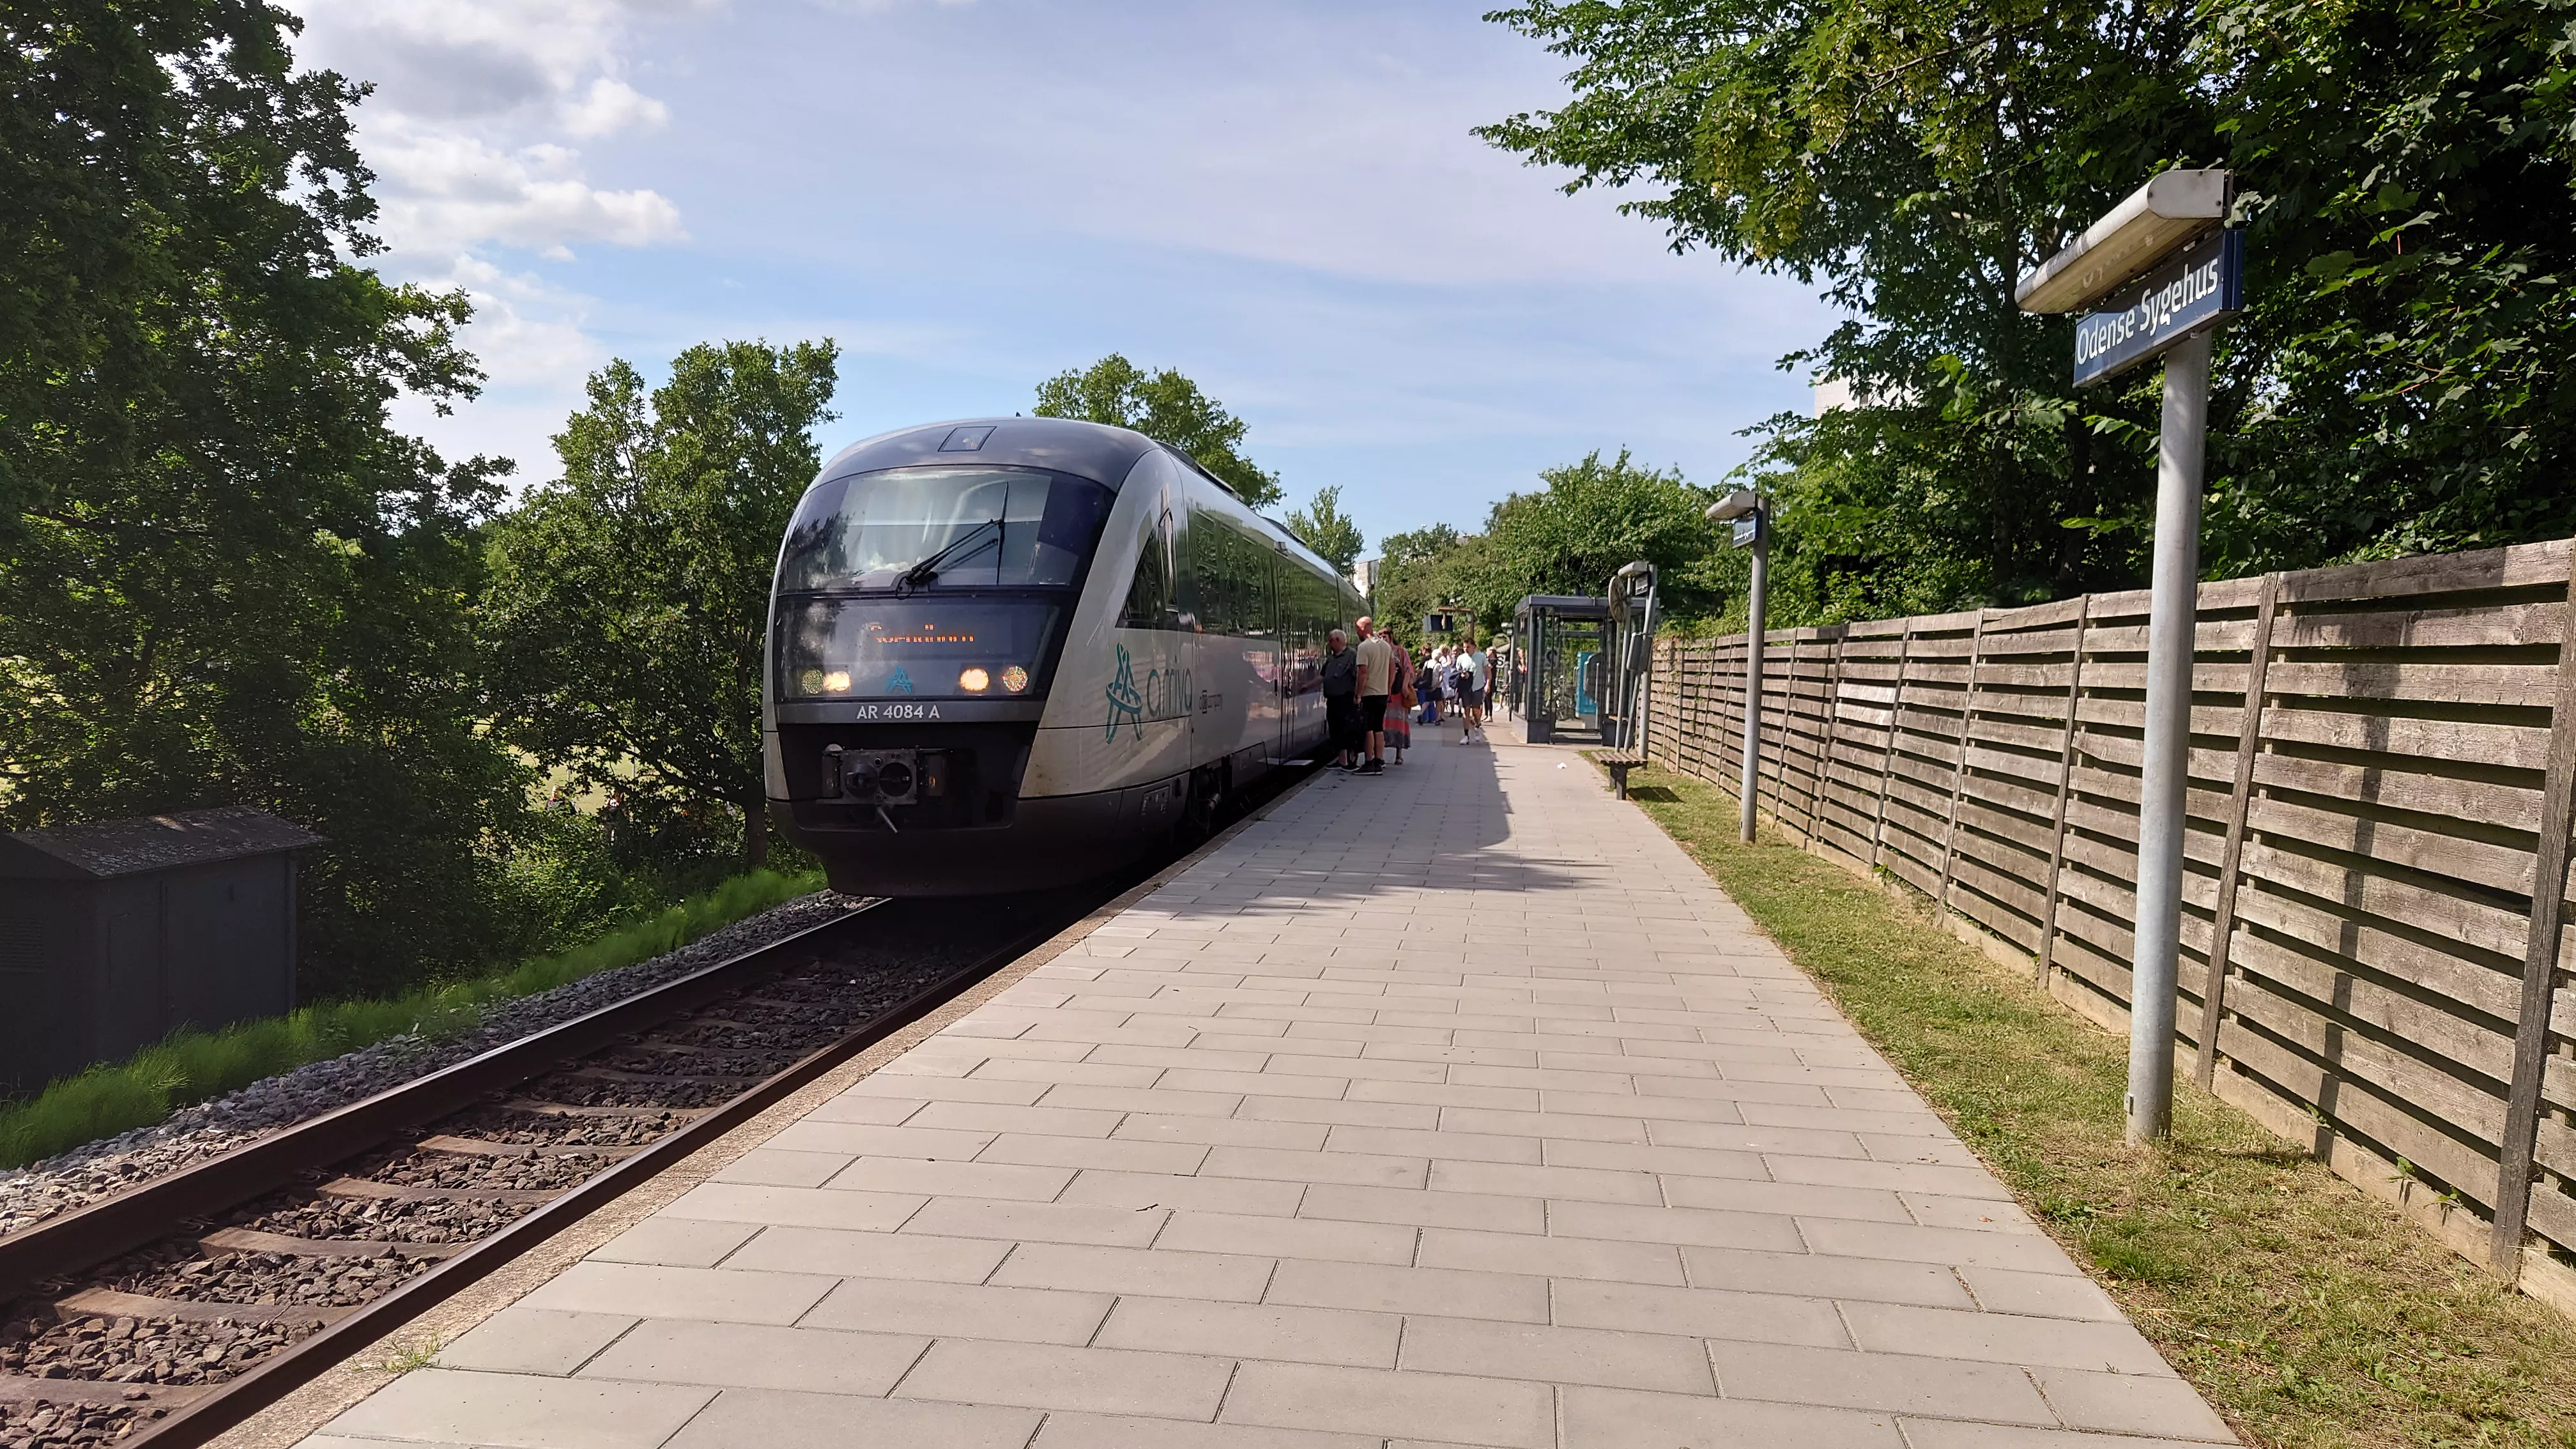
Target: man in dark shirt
{"points": [[1342, 699]]}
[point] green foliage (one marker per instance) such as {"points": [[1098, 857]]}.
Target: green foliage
{"points": [[227, 580], [628, 603], [1164, 406], [1591, 519], [193, 1066], [2405, 379], [1326, 529], [2400, 382], [1428, 571], [1418, 545]]}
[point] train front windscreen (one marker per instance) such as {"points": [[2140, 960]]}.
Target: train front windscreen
{"points": [[931, 583]]}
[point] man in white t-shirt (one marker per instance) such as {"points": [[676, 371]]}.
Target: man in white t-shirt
{"points": [[1475, 671], [1377, 681]]}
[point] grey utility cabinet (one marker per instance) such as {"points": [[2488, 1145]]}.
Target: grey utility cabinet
{"points": [[113, 934]]}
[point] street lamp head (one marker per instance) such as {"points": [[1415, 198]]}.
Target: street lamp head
{"points": [[1734, 505], [2155, 218]]}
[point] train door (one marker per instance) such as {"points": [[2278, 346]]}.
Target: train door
{"points": [[1283, 655]]}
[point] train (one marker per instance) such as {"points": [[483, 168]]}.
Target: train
{"points": [[1010, 654]]}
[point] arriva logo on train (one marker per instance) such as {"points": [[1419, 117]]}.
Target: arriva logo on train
{"points": [[1134, 700]]}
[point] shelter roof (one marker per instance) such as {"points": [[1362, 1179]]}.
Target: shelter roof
{"points": [[149, 843]]}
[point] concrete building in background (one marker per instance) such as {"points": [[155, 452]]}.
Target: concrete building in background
{"points": [[1364, 575], [1837, 392]]}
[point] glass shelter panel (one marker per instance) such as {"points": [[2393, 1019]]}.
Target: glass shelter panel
{"points": [[1564, 640]]}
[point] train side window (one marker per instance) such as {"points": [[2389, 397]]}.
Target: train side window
{"points": [[1207, 548], [1149, 595]]}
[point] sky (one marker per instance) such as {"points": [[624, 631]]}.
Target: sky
{"points": [[1281, 198]]}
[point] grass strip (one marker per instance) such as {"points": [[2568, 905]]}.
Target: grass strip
{"points": [[190, 1066], [2307, 1313]]}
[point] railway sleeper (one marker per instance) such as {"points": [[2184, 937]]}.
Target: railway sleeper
{"points": [[99, 1393], [360, 1187], [110, 1303], [251, 1240], [536, 1108], [483, 1147], [613, 1074]]}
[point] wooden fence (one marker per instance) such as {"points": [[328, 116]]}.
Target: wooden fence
{"points": [[2374, 751]]}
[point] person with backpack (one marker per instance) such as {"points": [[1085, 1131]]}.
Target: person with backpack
{"points": [[1341, 701], [1399, 703]]}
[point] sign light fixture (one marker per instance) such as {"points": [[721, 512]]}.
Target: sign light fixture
{"points": [[2156, 218]]}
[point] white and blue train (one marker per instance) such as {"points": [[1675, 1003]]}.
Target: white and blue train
{"points": [[1020, 652]]}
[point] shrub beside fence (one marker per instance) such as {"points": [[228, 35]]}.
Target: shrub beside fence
{"points": [[2374, 749]]}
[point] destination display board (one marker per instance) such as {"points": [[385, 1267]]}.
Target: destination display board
{"points": [[2199, 286]]}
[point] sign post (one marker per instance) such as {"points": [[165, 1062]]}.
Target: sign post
{"points": [[2164, 275], [1752, 521]]}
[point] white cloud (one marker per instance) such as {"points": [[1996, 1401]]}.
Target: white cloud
{"points": [[613, 106], [470, 128], [450, 192]]}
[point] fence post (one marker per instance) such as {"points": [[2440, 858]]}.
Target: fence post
{"points": [[2047, 957], [1887, 761], [1959, 772], [1789, 736], [1833, 712], [2539, 962], [2222, 925]]}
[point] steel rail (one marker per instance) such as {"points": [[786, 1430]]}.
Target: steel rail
{"points": [[85, 1237], [200, 1420]]}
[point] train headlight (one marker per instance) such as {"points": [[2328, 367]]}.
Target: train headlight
{"points": [[837, 682], [974, 680], [1015, 679], [809, 681]]}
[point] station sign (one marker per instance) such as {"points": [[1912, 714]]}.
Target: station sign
{"points": [[1747, 529], [2199, 286], [1436, 624]]}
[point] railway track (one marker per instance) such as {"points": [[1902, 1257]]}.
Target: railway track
{"points": [[177, 1309]]}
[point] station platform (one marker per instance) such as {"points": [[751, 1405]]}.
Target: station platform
{"points": [[1453, 1106]]}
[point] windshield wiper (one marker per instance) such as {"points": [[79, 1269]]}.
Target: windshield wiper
{"points": [[928, 569]]}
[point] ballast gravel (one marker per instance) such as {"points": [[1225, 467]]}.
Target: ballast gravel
{"points": [[83, 1175]]}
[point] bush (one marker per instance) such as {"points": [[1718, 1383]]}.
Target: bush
{"points": [[193, 1066]]}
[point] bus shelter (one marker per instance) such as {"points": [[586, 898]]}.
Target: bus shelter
{"points": [[1557, 675]]}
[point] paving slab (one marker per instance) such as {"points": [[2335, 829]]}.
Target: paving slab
{"points": [[1445, 1108]]}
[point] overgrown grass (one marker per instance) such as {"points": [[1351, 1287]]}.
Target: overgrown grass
{"points": [[192, 1066], [2308, 1313]]}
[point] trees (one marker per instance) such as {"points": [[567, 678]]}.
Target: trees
{"points": [[1327, 530], [1591, 519], [628, 603], [223, 577], [2400, 381], [1569, 537], [1425, 572], [1166, 407]]}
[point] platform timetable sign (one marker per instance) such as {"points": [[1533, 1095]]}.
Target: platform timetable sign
{"points": [[2197, 287]]}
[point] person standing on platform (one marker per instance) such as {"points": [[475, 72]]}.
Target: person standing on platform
{"points": [[1399, 703], [1377, 676], [1341, 698], [1473, 671]]}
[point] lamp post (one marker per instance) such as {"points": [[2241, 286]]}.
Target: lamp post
{"points": [[1752, 521], [2165, 276]]}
